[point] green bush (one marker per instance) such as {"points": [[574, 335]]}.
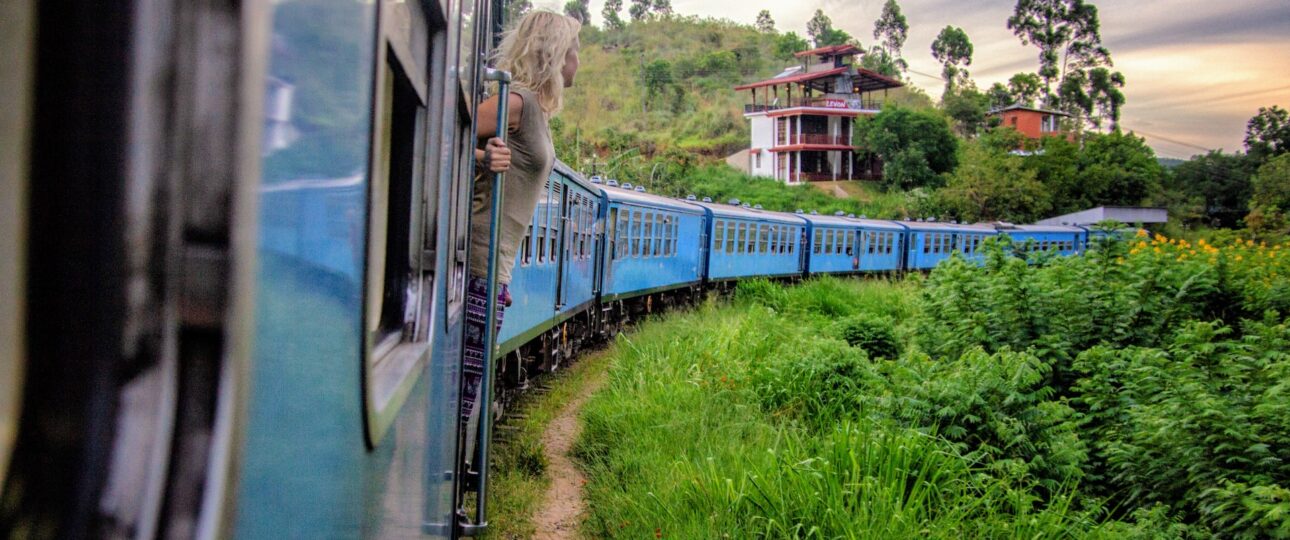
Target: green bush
{"points": [[876, 335]]}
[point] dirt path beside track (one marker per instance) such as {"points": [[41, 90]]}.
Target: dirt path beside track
{"points": [[562, 507]]}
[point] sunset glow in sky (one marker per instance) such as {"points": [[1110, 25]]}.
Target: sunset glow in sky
{"points": [[1196, 70]]}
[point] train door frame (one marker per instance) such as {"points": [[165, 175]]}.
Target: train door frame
{"points": [[564, 245]]}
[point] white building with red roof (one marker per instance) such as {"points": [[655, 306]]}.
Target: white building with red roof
{"points": [[801, 119]]}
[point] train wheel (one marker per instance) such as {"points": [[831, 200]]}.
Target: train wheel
{"points": [[143, 144]]}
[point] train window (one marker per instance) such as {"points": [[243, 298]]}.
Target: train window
{"points": [[927, 243], [526, 247], [741, 239], [763, 238], [541, 244], [676, 225], [818, 243], [730, 237], [635, 233], [718, 235], [841, 246], [647, 234], [660, 228], [774, 239], [623, 245], [611, 236]]}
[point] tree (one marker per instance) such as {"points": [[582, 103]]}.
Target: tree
{"points": [[1000, 96], [1104, 92], [1271, 201], [610, 13], [1025, 88], [1221, 181], [822, 33], [953, 50], [1118, 169], [1067, 33], [1267, 134], [663, 7], [579, 9], [764, 22], [640, 9], [915, 146], [993, 185], [891, 29], [789, 43], [1069, 38], [657, 79], [967, 107]]}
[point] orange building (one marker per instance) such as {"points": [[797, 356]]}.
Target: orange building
{"points": [[801, 119], [1031, 122]]}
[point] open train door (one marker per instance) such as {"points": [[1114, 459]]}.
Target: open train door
{"points": [[130, 138]]}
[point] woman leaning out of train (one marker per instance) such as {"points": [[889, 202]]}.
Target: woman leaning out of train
{"points": [[541, 53]]}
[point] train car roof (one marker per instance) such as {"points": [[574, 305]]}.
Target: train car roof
{"points": [[836, 220], [878, 224], [732, 211], [577, 177], [1042, 228], [642, 198], [943, 226]]}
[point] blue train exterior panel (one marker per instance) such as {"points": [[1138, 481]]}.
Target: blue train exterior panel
{"points": [[931, 243], [881, 245], [652, 243], [743, 242], [1061, 239]]}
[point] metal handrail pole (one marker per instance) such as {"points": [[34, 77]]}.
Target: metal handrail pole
{"points": [[484, 433]]}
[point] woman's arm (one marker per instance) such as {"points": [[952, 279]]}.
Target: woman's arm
{"points": [[493, 154]]}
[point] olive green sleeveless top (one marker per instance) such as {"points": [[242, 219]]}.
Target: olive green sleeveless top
{"points": [[532, 157]]}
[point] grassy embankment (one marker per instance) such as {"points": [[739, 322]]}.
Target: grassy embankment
{"points": [[1135, 392]]}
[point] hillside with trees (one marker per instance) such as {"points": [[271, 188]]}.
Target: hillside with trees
{"points": [[654, 104]]}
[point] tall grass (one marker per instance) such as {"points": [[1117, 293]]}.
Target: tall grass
{"points": [[689, 441]]}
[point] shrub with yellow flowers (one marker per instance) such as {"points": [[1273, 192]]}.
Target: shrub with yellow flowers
{"points": [[1173, 354]]}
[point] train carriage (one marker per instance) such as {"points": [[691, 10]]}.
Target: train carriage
{"points": [[880, 244], [652, 243], [834, 243], [929, 243], [750, 242], [1060, 239], [553, 277]]}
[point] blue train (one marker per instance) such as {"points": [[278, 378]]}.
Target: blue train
{"points": [[233, 249]]}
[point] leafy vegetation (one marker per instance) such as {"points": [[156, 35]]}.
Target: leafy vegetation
{"points": [[1135, 392]]}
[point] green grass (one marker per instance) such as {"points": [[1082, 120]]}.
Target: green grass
{"points": [[519, 477], [683, 442]]}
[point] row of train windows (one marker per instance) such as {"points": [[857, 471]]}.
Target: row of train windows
{"points": [[1045, 245], [581, 226], [641, 233], [880, 242], [833, 241], [753, 238], [951, 242]]}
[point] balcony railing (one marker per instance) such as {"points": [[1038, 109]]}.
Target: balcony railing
{"points": [[856, 104], [815, 138]]}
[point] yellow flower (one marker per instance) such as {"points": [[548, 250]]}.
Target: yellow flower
{"points": [[1238, 257], [1141, 232], [1156, 249], [1119, 260]]}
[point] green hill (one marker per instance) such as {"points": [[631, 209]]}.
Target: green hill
{"points": [[663, 85]]}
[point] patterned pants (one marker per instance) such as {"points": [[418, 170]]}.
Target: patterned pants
{"points": [[476, 318]]}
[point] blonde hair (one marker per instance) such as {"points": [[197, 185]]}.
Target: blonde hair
{"points": [[534, 51]]}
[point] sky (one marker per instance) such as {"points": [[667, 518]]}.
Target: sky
{"points": [[1196, 71]]}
